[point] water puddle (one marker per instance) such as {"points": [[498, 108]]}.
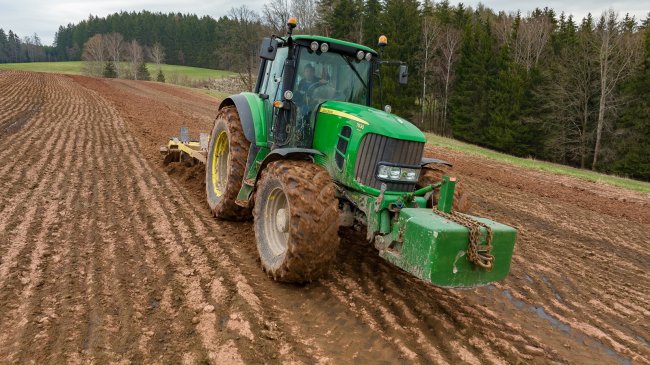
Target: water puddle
{"points": [[541, 313], [548, 283], [565, 328], [518, 303], [528, 278], [643, 341]]}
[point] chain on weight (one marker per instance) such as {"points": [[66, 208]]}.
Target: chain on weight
{"points": [[482, 257]]}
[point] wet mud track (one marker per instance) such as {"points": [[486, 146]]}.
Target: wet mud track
{"points": [[107, 256]]}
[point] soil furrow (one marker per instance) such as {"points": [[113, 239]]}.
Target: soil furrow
{"points": [[106, 256]]}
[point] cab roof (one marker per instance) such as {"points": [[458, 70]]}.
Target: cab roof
{"points": [[331, 41]]}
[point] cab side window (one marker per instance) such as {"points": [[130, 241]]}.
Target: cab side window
{"points": [[273, 79]]}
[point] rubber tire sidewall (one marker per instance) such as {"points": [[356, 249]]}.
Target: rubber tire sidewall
{"points": [[225, 207], [432, 174], [271, 263], [313, 224]]}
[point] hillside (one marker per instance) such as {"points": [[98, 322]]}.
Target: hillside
{"points": [[76, 68], [533, 164]]}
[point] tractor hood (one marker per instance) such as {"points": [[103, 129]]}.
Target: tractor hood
{"points": [[373, 120]]}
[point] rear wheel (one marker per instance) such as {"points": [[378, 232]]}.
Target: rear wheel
{"points": [[226, 162], [432, 174], [296, 221]]}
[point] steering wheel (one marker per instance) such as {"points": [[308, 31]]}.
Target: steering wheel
{"points": [[321, 92], [316, 85]]}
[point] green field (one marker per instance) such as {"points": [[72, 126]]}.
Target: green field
{"points": [[539, 165], [75, 67]]}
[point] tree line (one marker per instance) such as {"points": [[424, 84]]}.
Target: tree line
{"points": [[14, 49], [540, 85], [188, 39], [110, 55]]}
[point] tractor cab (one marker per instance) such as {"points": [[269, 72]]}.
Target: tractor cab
{"points": [[301, 73]]}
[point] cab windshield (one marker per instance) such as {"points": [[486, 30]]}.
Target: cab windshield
{"points": [[330, 76]]}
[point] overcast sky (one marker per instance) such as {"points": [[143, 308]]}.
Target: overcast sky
{"points": [[27, 17]]}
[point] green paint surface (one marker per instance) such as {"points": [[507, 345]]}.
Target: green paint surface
{"points": [[435, 249], [328, 126], [258, 110], [336, 41]]}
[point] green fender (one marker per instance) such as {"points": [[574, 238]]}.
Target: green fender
{"points": [[252, 115], [258, 161], [290, 154]]}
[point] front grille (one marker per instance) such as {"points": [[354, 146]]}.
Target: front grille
{"points": [[376, 148]]}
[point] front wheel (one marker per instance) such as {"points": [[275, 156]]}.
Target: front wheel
{"points": [[296, 221], [432, 174]]}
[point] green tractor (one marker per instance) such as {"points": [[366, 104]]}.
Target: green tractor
{"points": [[304, 153]]}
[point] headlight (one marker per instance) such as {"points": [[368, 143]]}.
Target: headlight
{"points": [[288, 95], [368, 56], [409, 174], [396, 173], [360, 55], [314, 46], [382, 172], [324, 47]]}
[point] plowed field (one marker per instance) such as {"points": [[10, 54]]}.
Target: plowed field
{"points": [[106, 256]]}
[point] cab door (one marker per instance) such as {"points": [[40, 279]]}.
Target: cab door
{"points": [[271, 88]]}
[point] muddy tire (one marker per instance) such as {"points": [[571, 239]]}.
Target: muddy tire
{"points": [[226, 163], [296, 221], [432, 174]]}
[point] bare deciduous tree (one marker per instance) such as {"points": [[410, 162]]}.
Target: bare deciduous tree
{"points": [[135, 56], [531, 39], [242, 52], [305, 11], [94, 55], [114, 43], [570, 102], [502, 27], [618, 52], [157, 54], [275, 15], [33, 48], [451, 39], [430, 35]]}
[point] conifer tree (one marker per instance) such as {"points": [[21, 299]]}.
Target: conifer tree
{"points": [[633, 141], [402, 25], [475, 74], [161, 76], [340, 23], [143, 72], [4, 47], [109, 70], [372, 27]]}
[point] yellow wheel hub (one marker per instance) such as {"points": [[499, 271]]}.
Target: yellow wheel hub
{"points": [[220, 164]]}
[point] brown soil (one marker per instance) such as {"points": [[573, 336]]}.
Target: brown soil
{"points": [[105, 257]]}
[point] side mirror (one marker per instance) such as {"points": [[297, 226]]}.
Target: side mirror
{"points": [[269, 48], [403, 74]]}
